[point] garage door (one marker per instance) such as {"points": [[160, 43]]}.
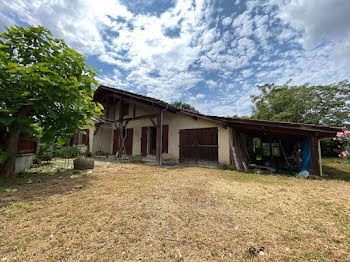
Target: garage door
{"points": [[199, 145]]}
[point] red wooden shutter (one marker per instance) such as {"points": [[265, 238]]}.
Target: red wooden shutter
{"points": [[165, 139], [144, 141], [25, 146], [128, 142], [76, 139], [86, 137]]}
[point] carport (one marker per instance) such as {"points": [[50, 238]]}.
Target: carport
{"points": [[277, 144]]}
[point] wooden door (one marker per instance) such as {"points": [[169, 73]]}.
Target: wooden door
{"points": [[188, 145], [153, 140], [144, 141], [207, 139], [198, 145], [129, 140]]}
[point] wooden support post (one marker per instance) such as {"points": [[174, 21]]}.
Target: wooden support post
{"points": [[320, 157], [161, 139], [134, 111], [315, 156], [158, 149]]}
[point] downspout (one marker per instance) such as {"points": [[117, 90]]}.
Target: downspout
{"points": [[161, 136]]}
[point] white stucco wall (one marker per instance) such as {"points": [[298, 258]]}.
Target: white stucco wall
{"points": [[24, 162], [104, 138]]}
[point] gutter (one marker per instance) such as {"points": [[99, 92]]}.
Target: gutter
{"points": [[161, 135]]}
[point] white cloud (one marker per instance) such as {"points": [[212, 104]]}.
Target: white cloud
{"points": [[241, 19], [211, 84], [247, 72], [343, 50], [286, 34], [318, 21], [217, 66], [259, 20], [243, 24], [226, 21], [200, 96]]}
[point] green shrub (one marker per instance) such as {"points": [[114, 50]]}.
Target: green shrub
{"points": [[46, 152], [88, 154], [328, 146], [68, 152]]}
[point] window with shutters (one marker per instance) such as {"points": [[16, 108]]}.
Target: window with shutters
{"points": [[81, 139]]}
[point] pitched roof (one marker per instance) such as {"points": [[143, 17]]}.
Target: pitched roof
{"points": [[262, 125], [148, 99]]}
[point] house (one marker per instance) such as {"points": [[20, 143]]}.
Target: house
{"points": [[82, 141], [26, 152], [137, 125]]}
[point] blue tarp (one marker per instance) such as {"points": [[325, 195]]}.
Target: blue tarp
{"points": [[305, 153]]}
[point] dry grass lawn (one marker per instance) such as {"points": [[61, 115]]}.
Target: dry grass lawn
{"points": [[134, 212]]}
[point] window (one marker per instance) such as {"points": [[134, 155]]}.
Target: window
{"points": [[256, 145], [266, 149], [81, 139], [275, 149], [257, 148]]}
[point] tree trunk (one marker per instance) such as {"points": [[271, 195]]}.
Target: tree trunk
{"points": [[10, 142], [8, 168]]}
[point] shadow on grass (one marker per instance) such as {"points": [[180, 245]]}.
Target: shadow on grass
{"points": [[249, 177], [332, 173], [40, 183], [336, 169]]}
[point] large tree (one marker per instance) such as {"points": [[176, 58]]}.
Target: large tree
{"points": [[185, 106], [320, 104], [46, 90]]}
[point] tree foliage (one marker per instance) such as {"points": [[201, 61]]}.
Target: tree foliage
{"points": [[322, 104], [185, 106], [46, 89]]}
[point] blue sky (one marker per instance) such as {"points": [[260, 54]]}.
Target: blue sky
{"points": [[211, 54]]}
